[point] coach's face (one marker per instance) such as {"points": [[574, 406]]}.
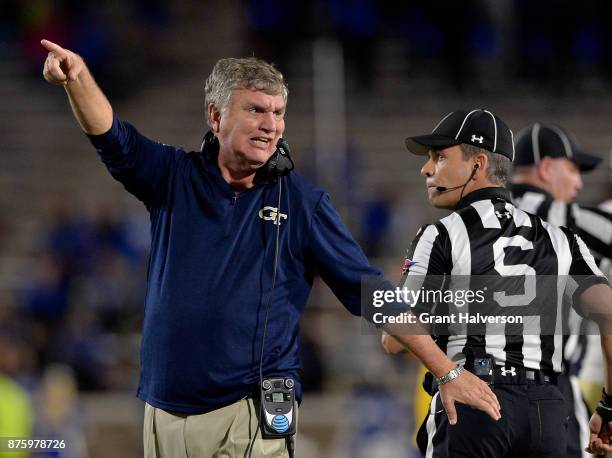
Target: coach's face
{"points": [[248, 128], [447, 168]]}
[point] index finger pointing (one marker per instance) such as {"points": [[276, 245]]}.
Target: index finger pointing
{"points": [[50, 46]]}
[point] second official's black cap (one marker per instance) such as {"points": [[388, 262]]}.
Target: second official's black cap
{"points": [[476, 127], [539, 140]]}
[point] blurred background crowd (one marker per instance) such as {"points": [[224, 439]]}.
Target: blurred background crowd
{"points": [[362, 75]]}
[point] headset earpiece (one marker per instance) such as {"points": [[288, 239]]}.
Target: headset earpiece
{"points": [[210, 145]]}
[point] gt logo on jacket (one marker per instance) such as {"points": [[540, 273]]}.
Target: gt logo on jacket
{"points": [[271, 214]]}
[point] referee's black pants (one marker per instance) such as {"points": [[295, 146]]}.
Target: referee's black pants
{"points": [[578, 425], [534, 418]]}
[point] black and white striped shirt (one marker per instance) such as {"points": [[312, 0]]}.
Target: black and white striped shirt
{"points": [[488, 235], [593, 225]]}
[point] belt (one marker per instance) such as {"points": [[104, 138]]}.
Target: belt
{"points": [[501, 375], [514, 375]]}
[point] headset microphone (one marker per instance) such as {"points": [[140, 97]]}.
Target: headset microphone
{"points": [[445, 189]]}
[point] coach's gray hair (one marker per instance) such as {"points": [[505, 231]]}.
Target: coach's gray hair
{"points": [[499, 168], [245, 73]]}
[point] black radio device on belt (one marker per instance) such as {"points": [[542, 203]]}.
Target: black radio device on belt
{"points": [[277, 407], [480, 363]]}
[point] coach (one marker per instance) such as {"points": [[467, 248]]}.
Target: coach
{"points": [[469, 158], [215, 218]]}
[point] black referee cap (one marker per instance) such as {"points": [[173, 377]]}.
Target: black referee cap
{"points": [[476, 127], [539, 140]]}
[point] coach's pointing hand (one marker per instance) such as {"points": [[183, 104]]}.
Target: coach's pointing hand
{"points": [[469, 389], [62, 66], [89, 105]]}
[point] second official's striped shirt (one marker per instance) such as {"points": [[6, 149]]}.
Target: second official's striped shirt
{"points": [[593, 225]]}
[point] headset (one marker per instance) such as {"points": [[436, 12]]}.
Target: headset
{"points": [[271, 425], [443, 189], [275, 169], [277, 166]]}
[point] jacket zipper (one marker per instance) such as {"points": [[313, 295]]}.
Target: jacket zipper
{"points": [[230, 216]]}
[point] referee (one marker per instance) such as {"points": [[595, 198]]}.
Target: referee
{"points": [[546, 180], [469, 157]]}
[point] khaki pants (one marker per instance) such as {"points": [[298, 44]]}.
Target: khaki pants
{"points": [[225, 432]]}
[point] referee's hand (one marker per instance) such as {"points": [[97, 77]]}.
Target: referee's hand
{"points": [[470, 390], [601, 436]]}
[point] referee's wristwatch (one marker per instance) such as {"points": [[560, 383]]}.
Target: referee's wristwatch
{"points": [[452, 375]]}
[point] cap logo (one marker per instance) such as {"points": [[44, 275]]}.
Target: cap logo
{"points": [[477, 139]]}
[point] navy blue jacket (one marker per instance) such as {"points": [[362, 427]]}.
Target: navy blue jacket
{"points": [[211, 266]]}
